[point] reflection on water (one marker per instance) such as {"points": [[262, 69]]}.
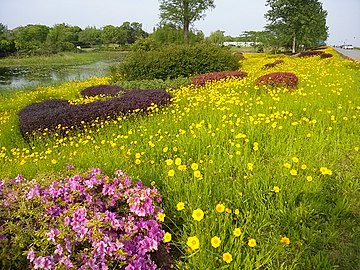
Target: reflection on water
{"points": [[23, 76]]}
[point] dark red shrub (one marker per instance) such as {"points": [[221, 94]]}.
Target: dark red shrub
{"points": [[271, 65], [214, 76], [281, 79], [326, 55], [108, 90], [51, 113], [310, 53]]}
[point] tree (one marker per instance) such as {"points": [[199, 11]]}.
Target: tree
{"points": [[183, 13], [63, 37], [90, 36], [300, 22], [217, 37], [31, 37]]}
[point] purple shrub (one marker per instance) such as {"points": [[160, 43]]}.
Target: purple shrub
{"points": [[52, 114], [280, 79], [326, 55], [310, 53], [88, 221], [214, 76]]}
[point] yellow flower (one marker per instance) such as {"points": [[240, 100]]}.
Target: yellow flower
{"points": [[171, 173], [169, 162], [161, 216], [237, 232], [228, 210], [174, 148], [165, 149], [193, 242], [236, 212], [167, 237], [250, 166], [178, 161], [137, 161], [293, 172], [53, 161], [309, 178], [137, 155], [182, 168], [252, 242], [295, 160], [276, 189], [194, 166], [304, 167], [215, 242], [220, 208], [198, 214], [180, 206], [325, 171], [227, 257], [197, 174], [285, 240], [287, 165]]}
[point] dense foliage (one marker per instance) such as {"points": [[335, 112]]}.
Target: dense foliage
{"points": [[279, 79], [175, 61], [52, 114], [86, 221], [215, 76]]}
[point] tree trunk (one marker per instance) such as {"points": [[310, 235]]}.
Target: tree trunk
{"points": [[294, 43], [186, 33]]}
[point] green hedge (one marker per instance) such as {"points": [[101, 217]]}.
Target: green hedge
{"points": [[175, 61]]}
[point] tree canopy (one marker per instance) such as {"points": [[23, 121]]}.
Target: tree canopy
{"points": [[183, 13], [297, 22]]}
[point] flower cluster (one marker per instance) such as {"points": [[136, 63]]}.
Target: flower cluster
{"points": [[214, 76], [51, 114], [95, 222], [103, 89], [280, 79]]}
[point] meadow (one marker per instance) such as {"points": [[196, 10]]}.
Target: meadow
{"points": [[251, 177]]}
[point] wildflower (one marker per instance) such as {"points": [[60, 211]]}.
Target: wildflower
{"points": [[295, 160], [171, 173], [194, 166], [309, 178], [276, 189], [236, 212], [252, 242], [215, 242], [227, 257], [198, 214], [174, 148], [237, 232], [137, 161], [193, 242], [285, 240], [250, 166], [165, 149], [304, 167], [182, 168], [169, 162], [137, 155], [197, 174], [178, 161], [228, 210], [287, 165], [180, 206], [53, 161], [293, 172], [161, 216], [167, 237], [325, 171], [220, 208]]}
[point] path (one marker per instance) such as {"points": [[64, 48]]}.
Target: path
{"points": [[353, 54]]}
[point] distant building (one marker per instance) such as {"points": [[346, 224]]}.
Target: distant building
{"points": [[239, 43]]}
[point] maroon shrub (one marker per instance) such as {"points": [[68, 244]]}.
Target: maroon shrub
{"points": [[310, 53], [52, 113], [326, 55], [281, 79], [214, 76], [103, 89]]}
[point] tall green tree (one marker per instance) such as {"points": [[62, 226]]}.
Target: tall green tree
{"points": [[183, 13], [217, 37], [30, 37], [298, 22]]}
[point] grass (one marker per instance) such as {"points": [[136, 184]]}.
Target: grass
{"points": [[282, 163], [62, 59]]}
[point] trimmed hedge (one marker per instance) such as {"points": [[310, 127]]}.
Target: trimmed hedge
{"points": [[214, 76], [175, 61], [280, 79], [53, 114], [271, 65], [103, 89]]}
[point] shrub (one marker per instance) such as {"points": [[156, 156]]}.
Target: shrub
{"points": [[107, 90], [275, 63], [326, 55], [175, 61], [213, 76], [88, 221], [310, 53], [280, 79], [52, 114]]}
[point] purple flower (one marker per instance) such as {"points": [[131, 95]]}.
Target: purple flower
{"points": [[31, 255]]}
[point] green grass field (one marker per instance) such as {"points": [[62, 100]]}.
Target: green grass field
{"points": [[275, 172]]}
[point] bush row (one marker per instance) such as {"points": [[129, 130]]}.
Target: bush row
{"points": [[87, 221], [175, 61], [52, 114], [213, 76]]}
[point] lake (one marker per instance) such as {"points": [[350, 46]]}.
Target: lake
{"points": [[14, 77]]}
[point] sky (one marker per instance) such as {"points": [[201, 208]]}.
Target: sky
{"points": [[231, 16]]}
